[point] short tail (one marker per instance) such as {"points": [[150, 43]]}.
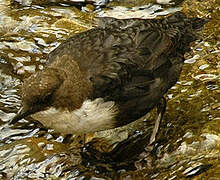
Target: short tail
{"points": [[178, 17], [189, 28], [198, 23]]}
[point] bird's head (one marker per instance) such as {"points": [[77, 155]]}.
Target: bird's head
{"points": [[60, 85], [37, 92]]}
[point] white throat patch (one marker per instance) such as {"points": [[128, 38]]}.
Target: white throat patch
{"points": [[93, 116]]}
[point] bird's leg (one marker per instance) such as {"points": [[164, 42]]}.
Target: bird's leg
{"points": [[161, 108], [145, 156]]}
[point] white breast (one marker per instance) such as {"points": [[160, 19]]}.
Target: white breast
{"points": [[93, 116]]}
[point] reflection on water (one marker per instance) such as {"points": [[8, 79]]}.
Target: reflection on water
{"points": [[189, 139]]}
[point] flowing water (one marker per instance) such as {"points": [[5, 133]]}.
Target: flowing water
{"points": [[188, 143]]}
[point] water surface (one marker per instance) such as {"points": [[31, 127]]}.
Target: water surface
{"points": [[188, 143]]}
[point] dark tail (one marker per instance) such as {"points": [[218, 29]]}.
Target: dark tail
{"points": [[180, 19], [188, 28], [198, 23]]}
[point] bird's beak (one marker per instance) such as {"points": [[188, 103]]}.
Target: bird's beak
{"points": [[20, 115]]}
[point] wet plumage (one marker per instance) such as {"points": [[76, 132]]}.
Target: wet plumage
{"points": [[110, 75]]}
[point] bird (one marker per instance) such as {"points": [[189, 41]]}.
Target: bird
{"points": [[110, 75]]}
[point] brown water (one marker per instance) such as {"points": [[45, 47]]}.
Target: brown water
{"points": [[188, 144]]}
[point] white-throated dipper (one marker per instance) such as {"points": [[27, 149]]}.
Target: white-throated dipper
{"points": [[110, 75]]}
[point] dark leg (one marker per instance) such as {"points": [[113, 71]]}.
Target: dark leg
{"points": [[145, 156]]}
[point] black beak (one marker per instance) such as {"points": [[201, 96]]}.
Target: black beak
{"points": [[20, 115]]}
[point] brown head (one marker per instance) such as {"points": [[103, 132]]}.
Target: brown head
{"points": [[61, 85]]}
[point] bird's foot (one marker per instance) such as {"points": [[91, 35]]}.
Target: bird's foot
{"points": [[145, 158]]}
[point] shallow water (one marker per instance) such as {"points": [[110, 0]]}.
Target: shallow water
{"points": [[188, 144]]}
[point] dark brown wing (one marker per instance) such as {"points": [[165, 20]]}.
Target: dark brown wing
{"points": [[129, 55], [106, 51], [143, 40], [115, 52]]}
